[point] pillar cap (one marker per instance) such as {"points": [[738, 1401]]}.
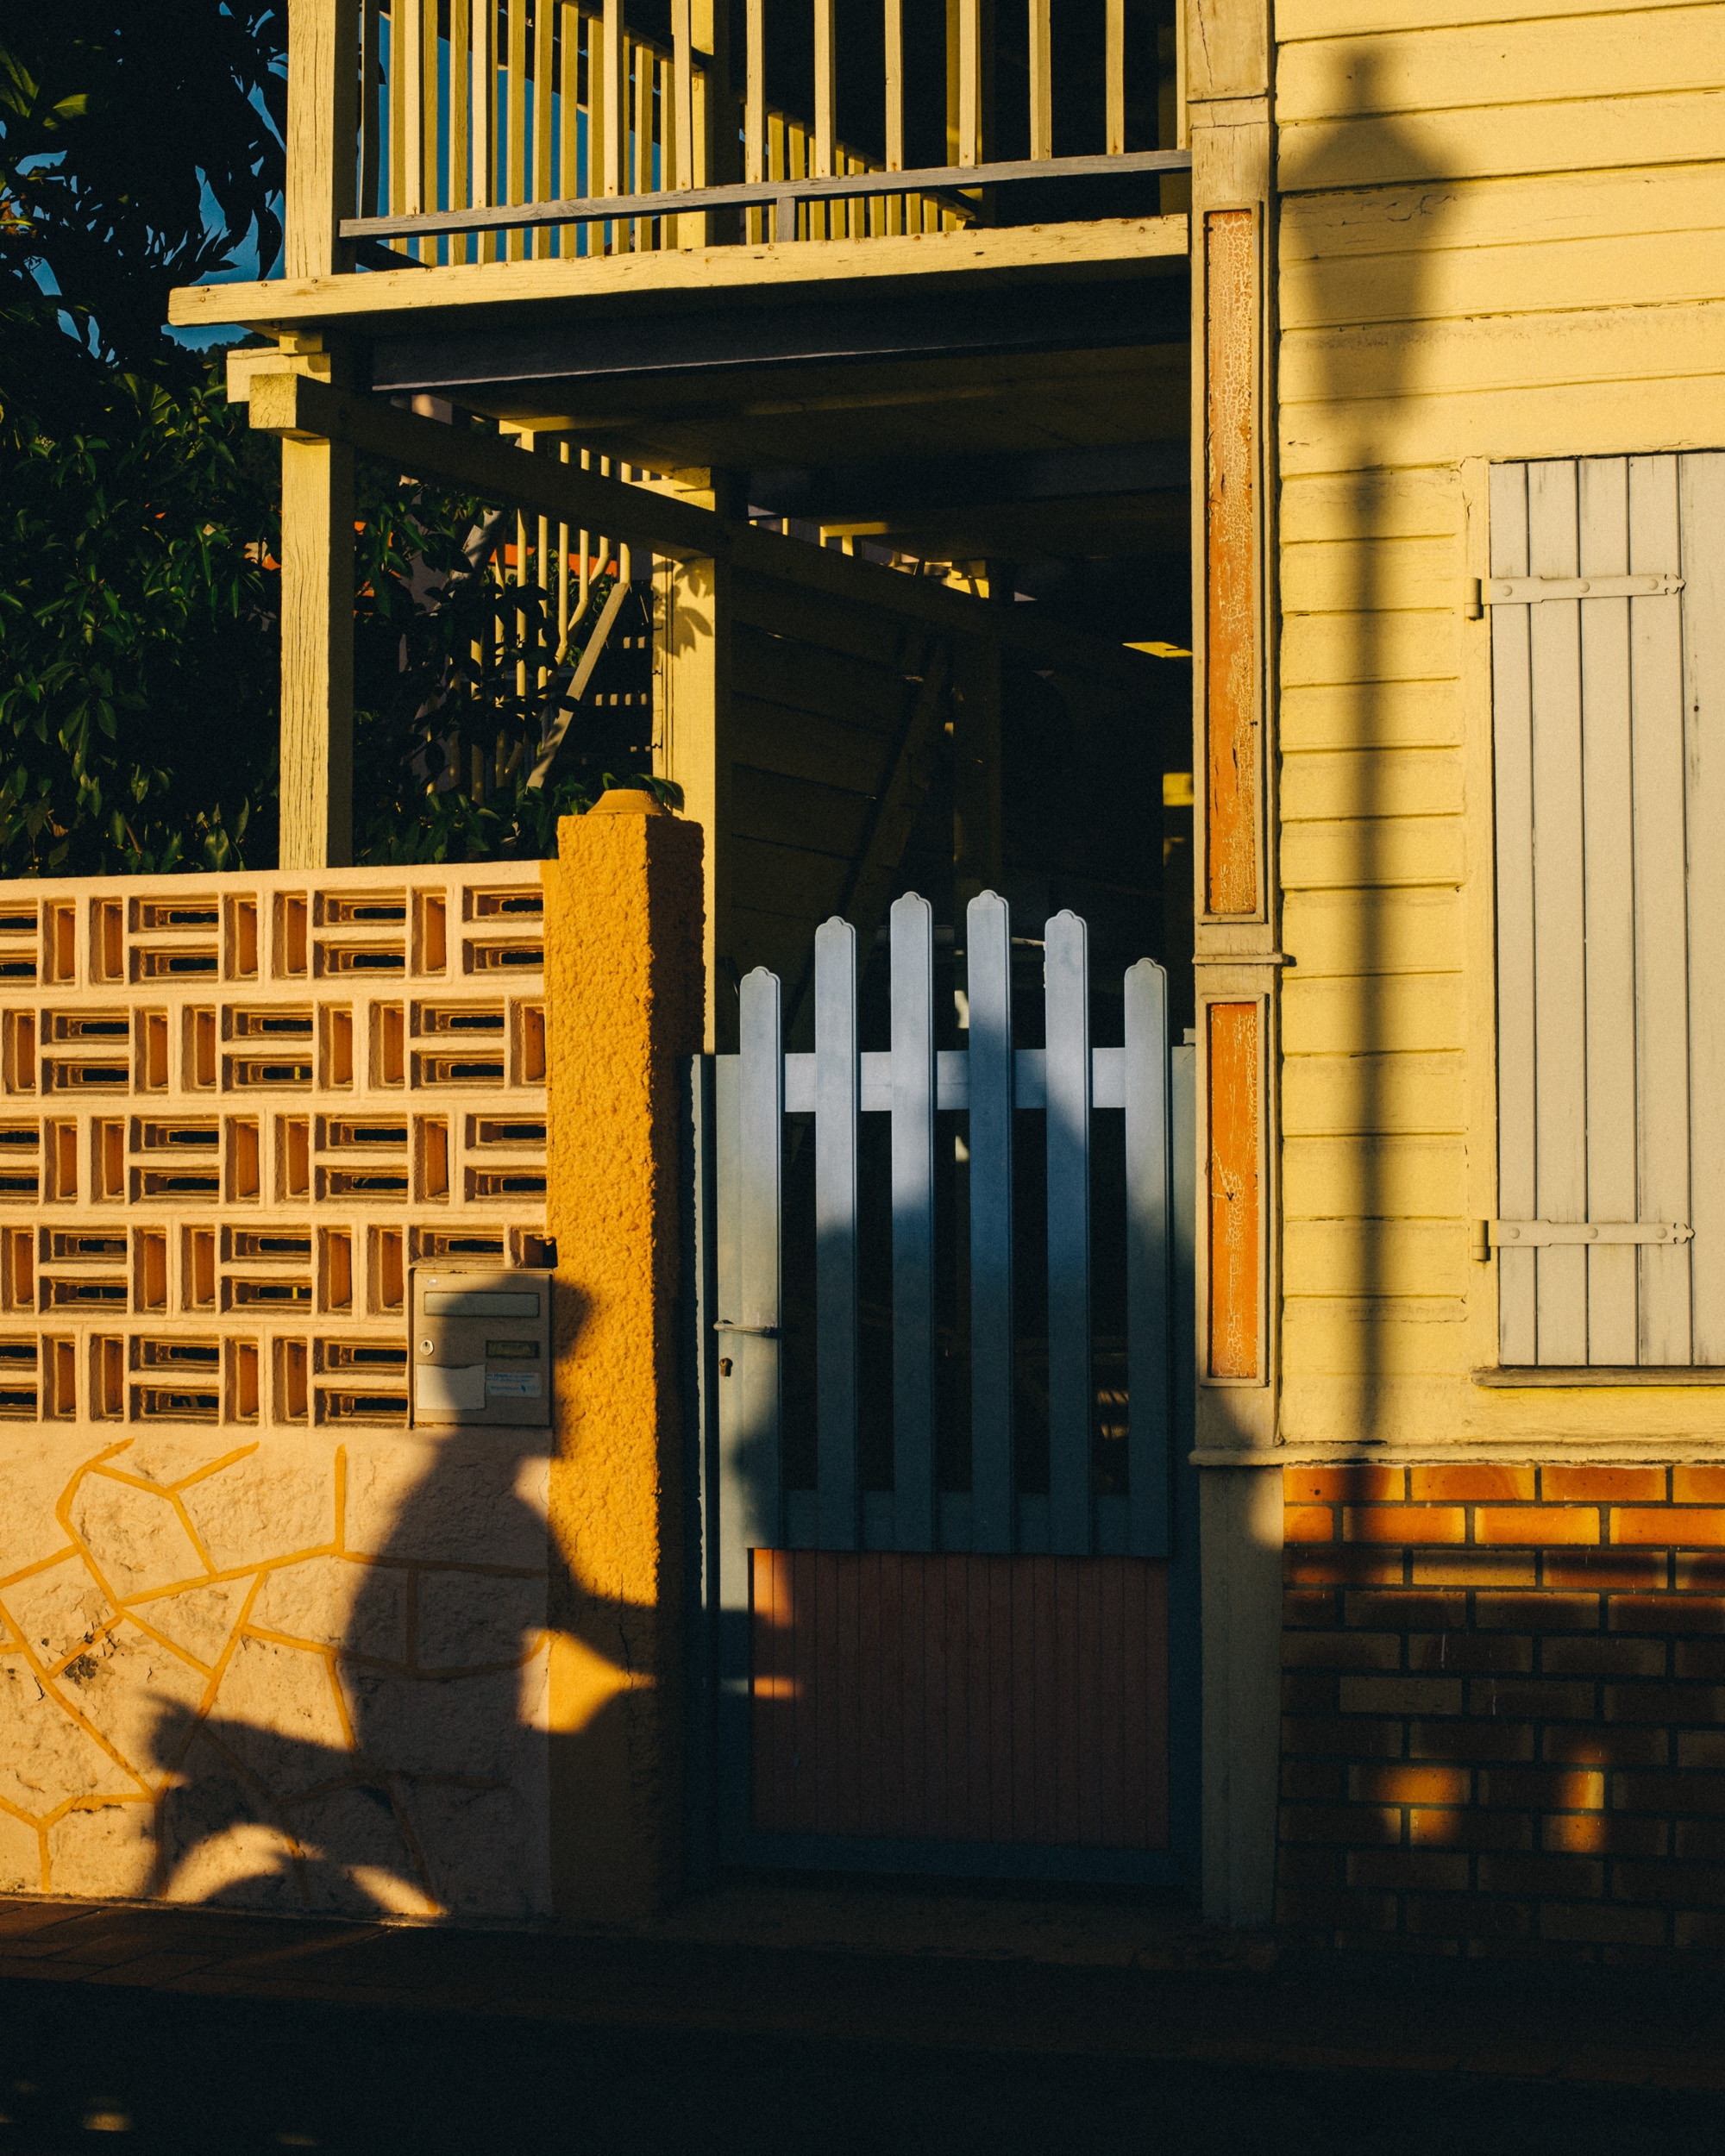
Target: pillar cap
{"points": [[627, 800]]}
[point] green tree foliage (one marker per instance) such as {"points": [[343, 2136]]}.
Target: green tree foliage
{"points": [[139, 149]]}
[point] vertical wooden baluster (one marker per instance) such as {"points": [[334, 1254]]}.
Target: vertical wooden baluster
{"points": [[568, 183], [987, 942], [911, 929], [1070, 1397], [460, 179], [399, 45], [515, 123], [611, 79], [1149, 1227], [371, 119], [761, 1120], [972, 90], [544, 113], [1041, 82], [680, 128], [837, 1102], [482, 116], [825, 89], [893, 28], [430, 106], [409, 16], [1116, 72], [755, 114]]}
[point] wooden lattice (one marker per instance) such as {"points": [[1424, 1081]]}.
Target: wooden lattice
{"points": [[237, 1110]]}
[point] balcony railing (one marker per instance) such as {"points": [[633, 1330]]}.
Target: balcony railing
{"points": [[497, 130]]}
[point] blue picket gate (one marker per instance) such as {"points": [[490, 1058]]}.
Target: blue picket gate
{"points": [[743, 1102]]}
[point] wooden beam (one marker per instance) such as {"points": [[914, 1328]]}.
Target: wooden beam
{"points": [[303, 410], [317, 653]]}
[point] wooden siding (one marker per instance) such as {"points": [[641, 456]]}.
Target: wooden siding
{"points": [[1500, 237], [957, 1698]]}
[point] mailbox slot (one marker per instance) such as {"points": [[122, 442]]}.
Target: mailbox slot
{"points": [[480, 1349]]}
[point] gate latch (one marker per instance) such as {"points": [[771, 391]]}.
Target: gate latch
{"points": [[755, 1332]]}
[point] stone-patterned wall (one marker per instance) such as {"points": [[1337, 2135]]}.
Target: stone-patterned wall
{"points": [[277, 1671]]}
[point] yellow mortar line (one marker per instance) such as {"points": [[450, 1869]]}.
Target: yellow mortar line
{"points": [[215, 1467], [84, 1722], [43, 1564], [341, 1714], [192, 1535], [104, 1631], [226, 1654]]}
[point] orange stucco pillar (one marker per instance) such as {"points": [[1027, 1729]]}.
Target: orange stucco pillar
{"points": [[624, 1011]]}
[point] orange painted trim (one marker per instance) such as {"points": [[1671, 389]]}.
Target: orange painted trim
{"points": [[1232, 667], [1234, 1183]]}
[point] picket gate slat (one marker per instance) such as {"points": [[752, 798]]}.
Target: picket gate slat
{"points": [[760, 1119], [913, 1097], [1149, 1282], [988, 969], [836, 1079], [1071, 1398]]}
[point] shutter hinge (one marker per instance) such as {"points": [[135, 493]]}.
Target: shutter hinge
{"points": [[1529, 591], [1542, 1234]]}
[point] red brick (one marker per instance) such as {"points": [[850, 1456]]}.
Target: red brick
{"points": [[1309, 1867], [1360, 1740], [1475, 1567], [1472, 1485], [1699, 1703], [1604, 1570], [1702, 1748], [1356, 1910], [1699, 1793], [1538, 1526], [1701, 1657], [1474, 1740], [1603, 1834], [1602, 1485], [1395, 1943], [1698, 1485], [1342, 1485], [1313, 1780], [1537, 1613], [1307, 1692], [1310, 1565], [1667, 1527], [1695, 1838], [1469, 1829], [1530, 1698], [1406, 1612], [1408, 1524], [1446, 1651], [1409, 1785], [1574, 1876], [1699, 1571], [1573, 1789], [1400, 1694], [1665, 1614], [1315, 1606], [1349, 1826], [1467, 1916], [1698, 1928], [1602, 1657], [1598, 1921], [1591, 1744], [1308, 1523], [1341, 1649], [1694, 1885], [1432, 1870]]}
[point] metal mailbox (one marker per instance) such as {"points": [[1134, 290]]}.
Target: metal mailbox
{"points": [[481, 1348]]}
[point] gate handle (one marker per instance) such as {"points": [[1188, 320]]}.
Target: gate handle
{"points": [[758, 1332]]}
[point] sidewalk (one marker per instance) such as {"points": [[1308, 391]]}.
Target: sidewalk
{"points": [[926, 1973]]}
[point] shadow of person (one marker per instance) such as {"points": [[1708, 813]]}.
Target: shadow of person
{"points": [[1372, 557], [381, 1737]]}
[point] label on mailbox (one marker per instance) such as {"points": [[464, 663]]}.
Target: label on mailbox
{"points": [[480, 1348]]}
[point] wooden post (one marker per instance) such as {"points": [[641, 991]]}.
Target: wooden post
{"points": [[317, 477]]}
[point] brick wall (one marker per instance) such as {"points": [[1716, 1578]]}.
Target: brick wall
{"points": [[1504, 1710]]}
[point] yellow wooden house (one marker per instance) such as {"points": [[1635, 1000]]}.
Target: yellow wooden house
{"points": [[1251, 478]]}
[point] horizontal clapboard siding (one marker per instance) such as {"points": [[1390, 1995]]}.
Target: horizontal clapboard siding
{"points": [[1502, 236]]}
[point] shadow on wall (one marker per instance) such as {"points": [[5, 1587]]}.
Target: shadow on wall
{"points": [[1375, 663], [310, 1672]]}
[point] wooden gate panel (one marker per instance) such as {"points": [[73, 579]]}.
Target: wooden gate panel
{"points": [[957, 1697]]}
